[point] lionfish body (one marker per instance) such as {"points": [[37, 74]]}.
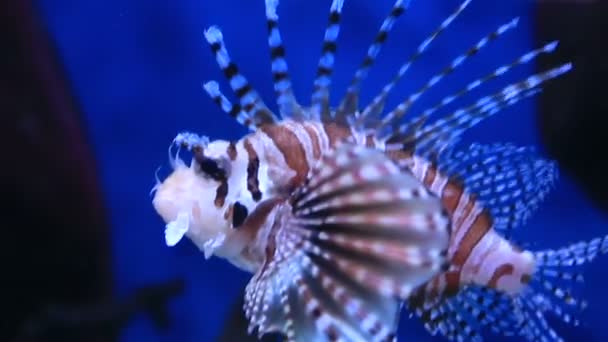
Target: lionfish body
{"points": [[343, 214]]}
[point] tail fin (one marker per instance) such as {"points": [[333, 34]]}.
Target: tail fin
{"points": [[556, 287]]}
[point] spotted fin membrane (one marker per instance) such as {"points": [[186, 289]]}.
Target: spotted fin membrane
{"points": [[346, 249]]}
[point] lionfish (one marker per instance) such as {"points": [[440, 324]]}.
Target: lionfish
{"points": [[346, 216]]}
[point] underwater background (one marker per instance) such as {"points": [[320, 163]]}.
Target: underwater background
{"points": [[137, 67]]}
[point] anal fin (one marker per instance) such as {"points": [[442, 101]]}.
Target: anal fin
{"points": [[466, 315]]}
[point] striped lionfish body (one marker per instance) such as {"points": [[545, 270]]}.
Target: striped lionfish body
{"points": [[343, 214]]}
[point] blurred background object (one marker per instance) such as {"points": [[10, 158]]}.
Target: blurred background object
{"points": [[573, 113], [92, 92], [235, 327], [57, 280]]}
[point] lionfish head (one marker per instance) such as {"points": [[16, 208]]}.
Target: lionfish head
{"points": [[192, 199]]}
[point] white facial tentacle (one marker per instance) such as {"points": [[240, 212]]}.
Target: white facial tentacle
{"points": [[176, 229]]}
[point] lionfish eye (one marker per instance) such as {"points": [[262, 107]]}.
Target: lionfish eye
{"points": [[239, 214], [213, 168]]}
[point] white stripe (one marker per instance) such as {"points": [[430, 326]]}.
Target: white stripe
{"points": [[420, 168], [466, 226], [439, 183], [322, 136], [458, 231], [273, 173], [480, 260]]}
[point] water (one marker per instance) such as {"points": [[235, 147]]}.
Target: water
{"points": [[137, 68]]}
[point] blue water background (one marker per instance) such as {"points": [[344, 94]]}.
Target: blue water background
{"points": [[137, 66]]}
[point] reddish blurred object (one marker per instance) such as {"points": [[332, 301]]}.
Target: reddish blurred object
{"points": [[574, 111], [56, 282]]}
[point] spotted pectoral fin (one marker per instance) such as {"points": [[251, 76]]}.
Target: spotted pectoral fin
{"points": [[556, 289], [347, 247]]}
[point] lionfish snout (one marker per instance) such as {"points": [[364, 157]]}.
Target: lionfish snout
{"points": [[184, 200]]}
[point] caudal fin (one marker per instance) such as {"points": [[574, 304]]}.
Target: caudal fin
{"points": [[556, 287]]}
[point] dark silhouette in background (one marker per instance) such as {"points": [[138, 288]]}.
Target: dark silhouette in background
{"points": [[56, 274], [573, 113]]}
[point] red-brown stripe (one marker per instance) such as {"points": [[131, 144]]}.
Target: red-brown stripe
{"points": [[430, 176], [256, 220], [253, 184], [231, 151], [228, 213], [475, 233], [434, 287], [221, 193], [451, 194], [258, 216], [290, 146], [452, 283], [502, 270], [335, 133], [417, 297], [314, 138]]}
